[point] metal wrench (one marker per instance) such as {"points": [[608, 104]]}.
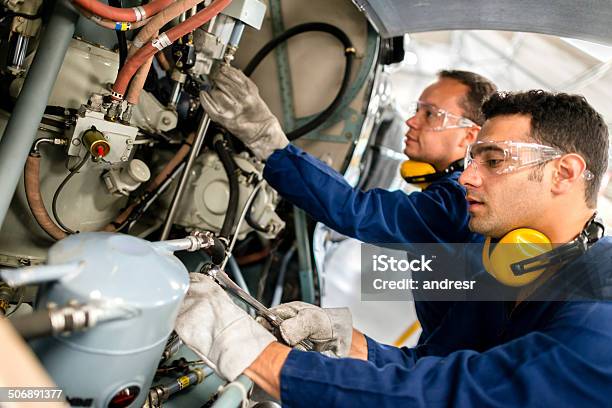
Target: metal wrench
{"points": [[229, 285]]}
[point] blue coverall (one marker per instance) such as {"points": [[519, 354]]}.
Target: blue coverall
{"points": [[483, 354], [438, 214]]}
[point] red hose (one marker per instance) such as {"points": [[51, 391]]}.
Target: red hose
{"points": [[165, 39], [123, 14]]}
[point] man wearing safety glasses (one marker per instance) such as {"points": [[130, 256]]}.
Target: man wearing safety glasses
{"points": [[446, 120], [532, 176]]}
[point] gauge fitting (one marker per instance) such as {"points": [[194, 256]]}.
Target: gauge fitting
{"points": [[96, 143]]}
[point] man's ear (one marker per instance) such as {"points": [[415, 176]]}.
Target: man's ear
{"points": [[470, 136], [568, 172]]}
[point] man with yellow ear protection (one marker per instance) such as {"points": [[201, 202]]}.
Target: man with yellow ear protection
{"points": [[444, 121], [536, 167]]}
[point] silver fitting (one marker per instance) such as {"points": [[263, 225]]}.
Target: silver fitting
{"points": [[205, 239], [72, 318], [114, 110], [127, 114]]}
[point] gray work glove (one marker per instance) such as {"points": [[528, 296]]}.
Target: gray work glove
{"points": [[235, 104], [329, 330], [217, 330]]}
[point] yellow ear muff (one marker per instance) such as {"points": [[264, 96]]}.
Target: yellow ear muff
{"points": [[516, 246], [412, 170]]}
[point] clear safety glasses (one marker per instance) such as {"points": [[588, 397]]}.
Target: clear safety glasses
{"points": [[508, 156], [439, 119]]}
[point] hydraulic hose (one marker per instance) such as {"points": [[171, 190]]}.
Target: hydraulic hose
{"points": [[110, 24], [163, 61], [216, 251], [161, 42], [349, 52], [254, 224], [160, 20], [123, 14], [35, 201], [137, 83], [121, 38], [229, 165]]}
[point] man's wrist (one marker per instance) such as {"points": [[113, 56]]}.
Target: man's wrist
{"points": [[266, 369], [359, 346]]}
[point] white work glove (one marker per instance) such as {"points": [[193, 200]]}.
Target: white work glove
{"points": [[235, 104], [217, 330], [329, 330]]}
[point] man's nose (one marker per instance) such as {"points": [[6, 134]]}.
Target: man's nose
{"points": [[471, 176], [413, 122]]}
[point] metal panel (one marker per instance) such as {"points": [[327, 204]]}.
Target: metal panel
{"points": [[565, 18]]}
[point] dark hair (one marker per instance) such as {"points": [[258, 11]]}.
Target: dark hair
{"points": [[564, 121], [480, 89]]}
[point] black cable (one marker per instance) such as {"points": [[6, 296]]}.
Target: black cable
{"points": [[349, 53], [59, 190], [121, 38], [249, 218], [229, 165]]}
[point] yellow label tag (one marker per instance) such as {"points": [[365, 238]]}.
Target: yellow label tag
{"points": [[183, 382]]}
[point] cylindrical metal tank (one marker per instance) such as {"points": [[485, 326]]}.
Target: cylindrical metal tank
{"points": [[126, 272]]}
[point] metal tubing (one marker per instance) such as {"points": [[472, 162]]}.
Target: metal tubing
{"points": [[183, 244], [195, 150], [23, 124], [237, 273], [236, 33], [21, 48], [234, 393], [280, 281], [39, 274], [303, 249], [176, 94]]}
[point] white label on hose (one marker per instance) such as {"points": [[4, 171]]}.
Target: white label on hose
{"points": [[140, 13], [161, 42]]}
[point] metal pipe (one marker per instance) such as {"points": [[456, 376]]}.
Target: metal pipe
{"points": [[23, 124], [176, 94], [21, 47], [237, 274], [40, 273], [247, 206], [280, 281], [303, 250], [162, 393], [235, 393], [195, 150], [236, 33]]}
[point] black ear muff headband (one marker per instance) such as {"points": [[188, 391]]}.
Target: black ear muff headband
{"points": [[523, 254]]}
